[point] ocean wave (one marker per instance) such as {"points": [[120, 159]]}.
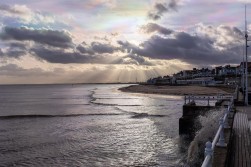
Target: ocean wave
{"points": [[140, 115], [51, 116], [144, 115], [106, 104], [133, 115]]}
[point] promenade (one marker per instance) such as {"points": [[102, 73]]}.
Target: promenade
{"points": [[235, 149], [241, 146], [246, 110]]}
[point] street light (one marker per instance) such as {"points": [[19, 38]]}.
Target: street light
{"points": [[246, 71]]}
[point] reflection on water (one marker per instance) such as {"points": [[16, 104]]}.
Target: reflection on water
{"points": [[89, 125]]}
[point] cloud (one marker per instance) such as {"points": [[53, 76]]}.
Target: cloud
{"points": [[153, 27], [96, 48], [193, 49], [1, 52], [173, 4], [18, 45], [15, 53], [60, 55], [107, 3], [102, 48], [57, 47], [15, 9], [16, 14], [20, 15], [134, 59], [86, 56], [50, 37], [215, 45], [83, 48], [14, 50], [224, 36], [139, 60], [160, 8], [80, 55], [11, 70], [14, 74]]}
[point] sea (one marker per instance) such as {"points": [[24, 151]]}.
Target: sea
{"points": [[89, 125]]}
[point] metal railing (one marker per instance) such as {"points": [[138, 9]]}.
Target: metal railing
{"points": [[219, 137], [190, 98]]}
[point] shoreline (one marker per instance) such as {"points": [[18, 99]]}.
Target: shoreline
{"points": [[177, 90]]}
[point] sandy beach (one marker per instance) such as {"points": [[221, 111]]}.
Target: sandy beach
{"points": [[177, 90]]}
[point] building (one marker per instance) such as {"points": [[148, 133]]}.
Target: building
{"points": [[227, 70], [242, 67]]}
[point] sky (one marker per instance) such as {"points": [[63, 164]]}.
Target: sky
{"points": [[104, 41]]}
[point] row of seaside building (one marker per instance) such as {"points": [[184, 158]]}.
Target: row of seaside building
{"points": [[227, 74]]}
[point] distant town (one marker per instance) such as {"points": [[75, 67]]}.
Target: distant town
{"points": [[227, 75]]}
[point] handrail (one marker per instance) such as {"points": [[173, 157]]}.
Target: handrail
{"points": [[219, 136], [190, 98], [216, 137], [201, 97]]}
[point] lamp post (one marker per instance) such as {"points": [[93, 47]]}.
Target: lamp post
{"points": [[246, 70], [243, 71]]}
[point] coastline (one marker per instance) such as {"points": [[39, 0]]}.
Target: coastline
{"points": [[177, 90]]}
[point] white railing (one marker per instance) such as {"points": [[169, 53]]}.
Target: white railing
{"points": [[219, 137], [190, 98]]}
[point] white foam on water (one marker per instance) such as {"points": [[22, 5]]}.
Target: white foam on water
{"points": [[210, 124]]}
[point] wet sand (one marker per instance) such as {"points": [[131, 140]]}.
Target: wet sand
{"points": [[177, 90]]}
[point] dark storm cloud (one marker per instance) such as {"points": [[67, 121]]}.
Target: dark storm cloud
{"points": [[18, 45], [185, 47], [128, 47], [153, 27], [102, 48], [50, 37], [140, 60], [60, 55], [131, 58], [64, 57], [15, 53], [15, 50], [84, 49], [188, 48], [160, 9], [97, 48]]}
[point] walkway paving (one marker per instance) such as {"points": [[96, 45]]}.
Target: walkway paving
{"points": [[246, 110], [241, 142], [241, 137]]}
